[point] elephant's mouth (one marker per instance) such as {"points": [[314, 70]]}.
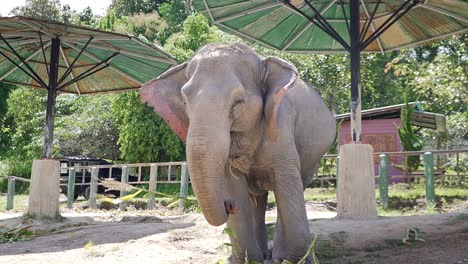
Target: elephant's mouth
{"points": [[231, 207]]}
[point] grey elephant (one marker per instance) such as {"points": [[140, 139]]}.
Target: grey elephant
{"points": [[251, 126]]}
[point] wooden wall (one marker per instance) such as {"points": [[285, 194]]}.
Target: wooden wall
{"points": [[382, 134]]}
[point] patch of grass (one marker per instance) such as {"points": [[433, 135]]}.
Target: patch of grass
{"points": [[20, 202], [339, 238], [325, 250], [319, 194]]}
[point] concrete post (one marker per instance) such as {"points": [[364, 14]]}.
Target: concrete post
{"points": [[93, 188], [124, 179], [152, 186], [71, 188], [10, 193], [429, 175], [44, 190], [356, 182], [383, 180], [183, 187]]}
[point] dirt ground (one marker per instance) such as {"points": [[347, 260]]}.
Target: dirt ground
{"points": [[161, 236]]}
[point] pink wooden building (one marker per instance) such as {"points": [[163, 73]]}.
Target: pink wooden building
{"points": [[379, 129]]}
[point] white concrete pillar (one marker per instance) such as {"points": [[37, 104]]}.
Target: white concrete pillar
{"points": [[356, 182], [44, 190]]}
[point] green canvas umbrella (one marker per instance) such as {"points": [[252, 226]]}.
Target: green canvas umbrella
{"points": [[65, 58], [329, 26]]}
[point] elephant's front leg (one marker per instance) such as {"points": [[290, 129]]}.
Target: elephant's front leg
{"points": [[239, 207], [259, 205], [294, 230]]}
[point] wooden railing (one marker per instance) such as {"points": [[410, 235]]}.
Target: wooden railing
{"points": [[176, 173], [328, 169], [142, 173]]}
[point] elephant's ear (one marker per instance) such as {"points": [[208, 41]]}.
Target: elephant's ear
{"points": [[163, 93], [279, 76]]}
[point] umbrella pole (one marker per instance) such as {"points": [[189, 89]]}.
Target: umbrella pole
{"points": [[355, 56], [45, 175], [51, 98], [356, 179]]}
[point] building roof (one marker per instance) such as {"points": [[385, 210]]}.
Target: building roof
{"points": [[419, 117]]}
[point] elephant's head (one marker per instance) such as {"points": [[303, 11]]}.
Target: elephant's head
{"points": [[222, 102]]}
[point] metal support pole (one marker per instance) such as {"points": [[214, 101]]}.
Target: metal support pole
{"points": [[71, 188], [123, 192], [383, 180], [355, 53], [152, 186], [93, 188], [183, 187], [429, 175], [10, 193], [51, 96]]}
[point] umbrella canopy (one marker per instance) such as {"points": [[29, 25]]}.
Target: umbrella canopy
{"points": [[100, 61], [329, 26], [61, 57], [304, 26]]}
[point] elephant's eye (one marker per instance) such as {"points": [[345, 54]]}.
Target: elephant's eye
{"points": [[237, 107]]}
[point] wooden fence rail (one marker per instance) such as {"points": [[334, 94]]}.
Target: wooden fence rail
{"points": [[163, 173]]}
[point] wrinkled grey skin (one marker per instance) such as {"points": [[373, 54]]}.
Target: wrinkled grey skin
{"points": [[253, 127]]}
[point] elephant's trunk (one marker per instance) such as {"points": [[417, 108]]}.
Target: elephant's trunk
{"points": [[207, 152]]}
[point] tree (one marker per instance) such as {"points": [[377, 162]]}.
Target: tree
{"points": [[89, 129], [143, 135], [131, 7], [174, 13], [40, 9], [148, 25], [197, 32]]}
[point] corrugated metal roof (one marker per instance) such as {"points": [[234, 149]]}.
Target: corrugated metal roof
{"points": [[419, 117], [136, 61], [276, 25]]}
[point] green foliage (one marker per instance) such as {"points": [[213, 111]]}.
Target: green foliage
{"points": [[143, 135], [40, 9], [197, 32], [412, 235], [14, 234], [174, 13], [410, 138], [89, 128], [131, 7], [148, 25]]}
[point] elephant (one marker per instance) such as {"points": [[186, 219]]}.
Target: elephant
{"points": [[251, 126]]}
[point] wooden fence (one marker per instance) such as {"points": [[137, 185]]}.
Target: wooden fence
{"points": [[325, 175], [152, 174], [149, 174]]}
